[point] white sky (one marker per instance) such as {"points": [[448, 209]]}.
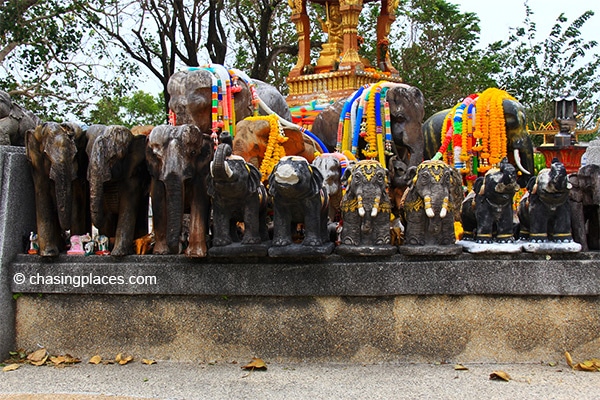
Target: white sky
{"points": [[497, 17]]}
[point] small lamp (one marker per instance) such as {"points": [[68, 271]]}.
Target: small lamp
{"points": [[565, 109]]}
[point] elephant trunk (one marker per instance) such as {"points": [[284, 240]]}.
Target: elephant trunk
{"points": [[219, 167], [174, 187], [63, 187]]}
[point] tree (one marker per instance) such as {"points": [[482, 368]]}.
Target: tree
{"points": [[140, 108], [536, 72]]}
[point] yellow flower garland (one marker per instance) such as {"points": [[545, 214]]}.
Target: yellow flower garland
{"points": [[275, 150], [371, 134]]}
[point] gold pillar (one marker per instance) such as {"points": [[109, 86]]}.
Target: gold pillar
{"points": [[386, 17], [300, 19], [350, 10]]}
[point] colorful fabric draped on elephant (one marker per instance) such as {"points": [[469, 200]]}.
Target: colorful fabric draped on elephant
{"points": [[473, 148], [59, 165], [178, 160], [14, 121], [119, 185]]}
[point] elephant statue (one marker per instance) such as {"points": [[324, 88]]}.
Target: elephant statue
{"points": [[298, 197], [14, 121], [519, 148], [584, 199], [238, 196], [332, 166], [119, 185], [406, 113], [432, 204], [366, 209], [179, 163], [544, 211], [487, 212], [56, 153]]}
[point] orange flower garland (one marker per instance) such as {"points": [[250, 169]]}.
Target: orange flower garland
{"points": [[275, 150]]}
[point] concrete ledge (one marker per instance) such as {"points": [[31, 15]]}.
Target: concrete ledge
{"points": [[517, 274]]}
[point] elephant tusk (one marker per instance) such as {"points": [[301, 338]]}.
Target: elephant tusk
{"points": [[518, 162], [428, 209], [444, 209], [375, 209], [228, 169], [361, 209]]}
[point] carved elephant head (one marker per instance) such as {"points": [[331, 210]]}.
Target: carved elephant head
{"points": [[14, 121]]}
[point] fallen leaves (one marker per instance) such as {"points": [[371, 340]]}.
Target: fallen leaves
{"points": [[500, 375], [460, 367], [592, 365], [11, 367], [148, 362], [122, 360], [38, 358], [257, 364]]}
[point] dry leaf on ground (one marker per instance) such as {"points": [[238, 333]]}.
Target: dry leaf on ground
{"points": [[257, 364], [460, 367], [147, 361], [592, 365], [38, 355], [500, 375], [58, 360], [569, 359], [122, 360], [11, 367], [95, 360]]}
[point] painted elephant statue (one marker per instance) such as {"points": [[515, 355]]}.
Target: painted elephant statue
{"points": [[487, 212], [584, 198], [238, 196], [191, 93], [14, 121], [119, 186], [59, 165], [432, 204], [366, 206], [544, 211], [179, 161], [511, 139], [298, 197], [405, 113]]}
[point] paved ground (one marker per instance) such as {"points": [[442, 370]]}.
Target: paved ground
{"points": [[177, 380]]}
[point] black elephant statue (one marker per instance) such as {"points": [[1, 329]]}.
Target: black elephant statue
{"points": [[119, 185], [298, 197], [238, 196], [487, 212], [59, 163], [405, 112], [584, 198], [504, 121], [366, 210], [14, 121], [179, 164], [544, 211], [331, 166], [432, 204]]}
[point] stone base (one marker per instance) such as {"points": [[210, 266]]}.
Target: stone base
{"points": [[490, 248], [551, 247], [450, 250], [298, 250], [240, 250], [382, 250]]}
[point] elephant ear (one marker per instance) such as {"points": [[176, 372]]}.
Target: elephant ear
{"points": [[478, 186], [411, 173], [254, 178], [32, 144], [532, 185], [272, 191], [316, 180]]}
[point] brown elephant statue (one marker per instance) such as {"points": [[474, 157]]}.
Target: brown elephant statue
{"points": [[59, 165], [119, 186], [14, 121], [179, 160]]}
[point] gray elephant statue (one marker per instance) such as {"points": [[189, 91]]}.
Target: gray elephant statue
{"points": [[59, 163], [366, 211], [544, 211], [298, 197], [584, 199], [14, 121], [487, 212], [330, 166], [519, 148], [238, 195], [179, 161], [119, 185], [432, 204]]}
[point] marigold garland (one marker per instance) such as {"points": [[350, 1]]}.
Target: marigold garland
{"points": [[275, 150]]}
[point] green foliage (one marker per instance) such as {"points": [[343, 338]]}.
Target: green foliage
{"points": [[537, 71], [140, 108]]}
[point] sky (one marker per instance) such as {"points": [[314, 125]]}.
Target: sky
{"points": [[497, 17]]}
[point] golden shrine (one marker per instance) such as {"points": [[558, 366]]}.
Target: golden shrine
{"points": [[339, 70]]}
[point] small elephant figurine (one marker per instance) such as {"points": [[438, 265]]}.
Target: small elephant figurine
{"points": [[431, 204], [544, 212], [119, 185], [366, 207], [298, 196], [56, 153], [487, 212], [238, 196], [331, 166]]}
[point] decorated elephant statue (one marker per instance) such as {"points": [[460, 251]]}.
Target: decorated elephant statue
{"points": [[544, 211], [487, 212], [298, 197], [14, 121], [179, 160], [238, 196], [584, 198], [366, 210], [474, 145], [432, 204], [59, 165], [119, 185]]}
